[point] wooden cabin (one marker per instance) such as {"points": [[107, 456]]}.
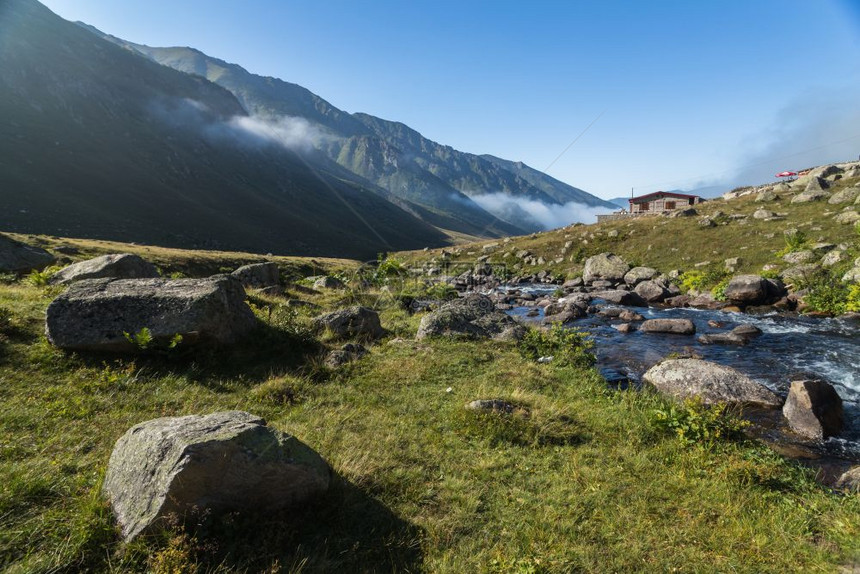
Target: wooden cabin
{"points": [[661, 201]]}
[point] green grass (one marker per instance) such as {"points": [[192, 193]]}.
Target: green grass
{"points": [[583, 479]]}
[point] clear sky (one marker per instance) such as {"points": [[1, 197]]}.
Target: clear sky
{"points": [[684, 93]]}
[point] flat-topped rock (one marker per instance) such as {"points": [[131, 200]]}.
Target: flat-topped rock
{"points": [[96, 314], [713, 383], [473, 317], [670, 326], [258, 275], [605, 266], [115, 265]]}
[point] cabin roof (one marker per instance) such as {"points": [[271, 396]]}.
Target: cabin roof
{"points": [[659, 194]]}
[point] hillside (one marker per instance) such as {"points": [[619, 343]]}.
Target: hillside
{"points": [[436, 180], [100, 142], [753, 224]]}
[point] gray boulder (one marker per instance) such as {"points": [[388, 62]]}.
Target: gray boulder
{"points": [[492, 405], [847, 217], [849, 480], [618, 297], [810, 195], [327, 282], [766, 195], [258, 275], [606, 266], [848, 195], [473, 317], [639, 274], [713, 383], [652, 291], [670, 326], [852, 275], [115, 265], [799, 272], [17, 257], [346, 354], [227, 461], [817, 183], [746, 289], [813, 409], [740, 335], [763, 214], [798, 257], [96, 314], [355, 321]]}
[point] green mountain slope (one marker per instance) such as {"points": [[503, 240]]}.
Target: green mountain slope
{"points": [[96, 141], [436, 180]]}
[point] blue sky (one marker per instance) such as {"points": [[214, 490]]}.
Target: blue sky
{"points": [[685, 93]]}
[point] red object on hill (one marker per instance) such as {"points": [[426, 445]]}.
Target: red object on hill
{"points": [[786, 174]]}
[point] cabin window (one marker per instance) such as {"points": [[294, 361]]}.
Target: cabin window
{"points": [[644, 206], [670, 205]]}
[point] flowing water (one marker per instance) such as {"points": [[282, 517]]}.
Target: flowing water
{"points": [[789, 348]]}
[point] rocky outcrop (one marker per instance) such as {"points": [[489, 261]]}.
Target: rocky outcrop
{"points": [[227, 461], [97, 314], [849, 217], [810, 195], [472, 317], [845, 196], [606, 266], [258, 275], [713, 383], [813, 409], [671, 326], [355, 321], [116, 265], [17, 257]]}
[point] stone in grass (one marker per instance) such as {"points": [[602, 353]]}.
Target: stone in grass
{"points": [[493, 405], [713, 383], [258, 275], [849, 480], [346, 354], [222, 462], [813, 409], [355, 321], [472, 317], [97, 314], [115, 265], [17, 257]]}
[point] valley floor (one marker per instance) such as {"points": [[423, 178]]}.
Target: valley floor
{"points": [[588, 481]]}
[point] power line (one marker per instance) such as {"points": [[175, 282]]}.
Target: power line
{"points": [[582, 133]]}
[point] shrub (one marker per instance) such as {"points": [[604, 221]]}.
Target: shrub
{"points": [[795, 240], [42, 278], [826, 293], [566, 346], [719, 290], [693, 422]]}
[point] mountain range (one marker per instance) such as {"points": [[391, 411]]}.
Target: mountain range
{"points": [[109, 139]]}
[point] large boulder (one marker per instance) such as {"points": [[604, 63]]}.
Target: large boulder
{"points": [[813, 409], [222, 462], [472, 317], [115, 265], [17, 257], [810, 195], [669, 326], [355, 321], [800, 257], [328, 282], [606, 266], [847, 217], [98, 314], [747, 290], [713, 383], [652, 291], [258, 275], [849, 480]]}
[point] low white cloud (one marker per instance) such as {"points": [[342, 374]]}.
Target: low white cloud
{"points": [[290, 132], [549, 216]]}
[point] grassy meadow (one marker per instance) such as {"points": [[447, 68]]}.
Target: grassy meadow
{"points": [[579, 479]]}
